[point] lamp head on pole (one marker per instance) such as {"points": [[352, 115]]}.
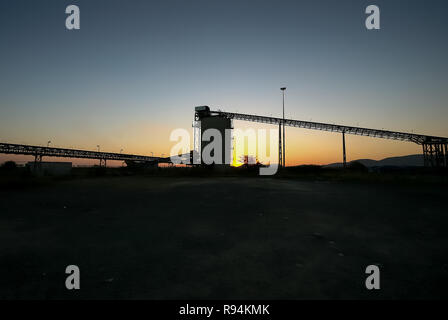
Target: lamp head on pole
{"points": [[283, 89]]}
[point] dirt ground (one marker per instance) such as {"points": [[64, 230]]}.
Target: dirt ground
{"points": [[222, 238]]}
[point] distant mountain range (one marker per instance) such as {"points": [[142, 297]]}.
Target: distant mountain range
{"points": [[413, 160]]}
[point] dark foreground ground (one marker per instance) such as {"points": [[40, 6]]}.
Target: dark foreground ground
{"points": [[223, 238]]}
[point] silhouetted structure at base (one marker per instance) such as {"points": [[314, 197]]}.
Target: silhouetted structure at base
{"points": [[49, 168], [435, 154]]}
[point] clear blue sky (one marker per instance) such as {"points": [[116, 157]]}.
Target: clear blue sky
{"points": [[136, 69]]}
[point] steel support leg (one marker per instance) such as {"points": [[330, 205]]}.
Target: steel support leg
{"points": [[446, 155], [37, 162], [343, 150], [284, 147], [280, 161]]}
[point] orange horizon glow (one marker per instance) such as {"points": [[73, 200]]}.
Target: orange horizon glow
{"points": [[303, 146]]}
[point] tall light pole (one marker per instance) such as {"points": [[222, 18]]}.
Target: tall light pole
{"points": [[283, 91], [98, 146], [48, 143]]}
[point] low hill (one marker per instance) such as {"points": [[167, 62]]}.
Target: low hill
{"points": [[413, 160]]}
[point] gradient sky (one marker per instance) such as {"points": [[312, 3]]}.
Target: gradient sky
{"points": [[136, 69]]}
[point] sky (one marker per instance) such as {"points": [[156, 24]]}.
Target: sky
{"points": [[136, 69]]}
